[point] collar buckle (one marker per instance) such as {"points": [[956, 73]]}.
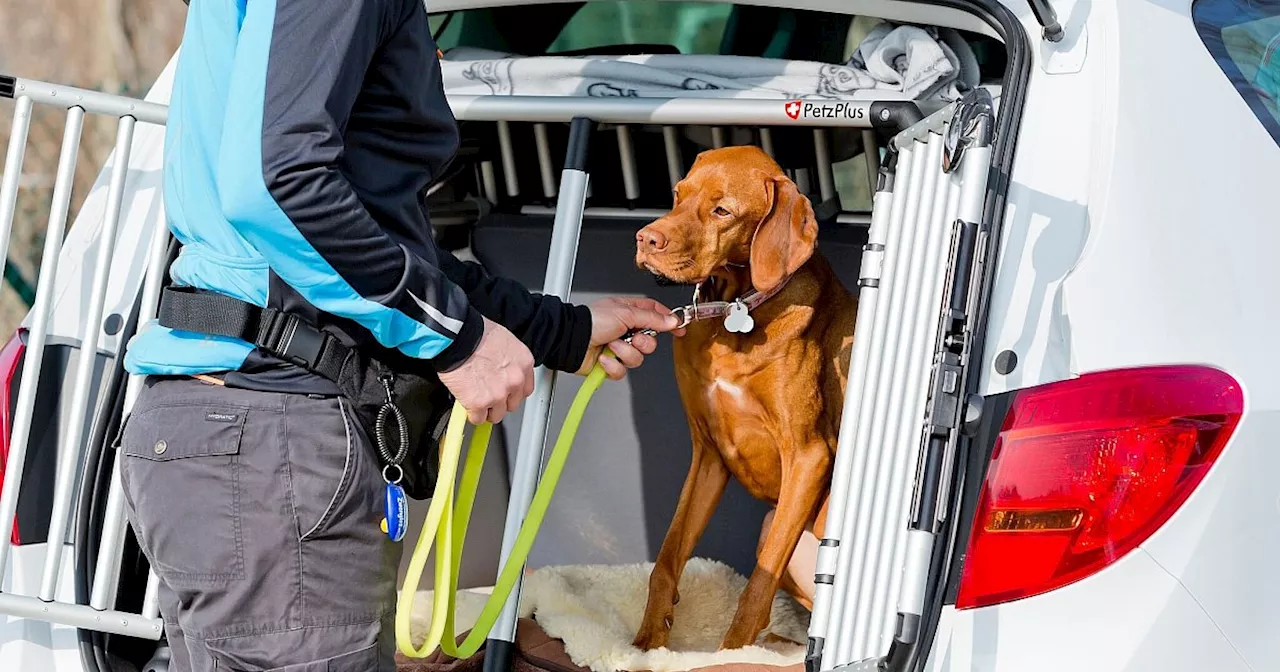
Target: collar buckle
{"points": [[686, 315]]}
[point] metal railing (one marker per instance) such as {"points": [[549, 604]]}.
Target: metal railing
{"points": [[77, 103]]}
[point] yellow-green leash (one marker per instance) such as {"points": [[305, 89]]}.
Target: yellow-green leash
{"points": [[448, 527]]}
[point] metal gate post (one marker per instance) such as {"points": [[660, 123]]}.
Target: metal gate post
{"points": [[533, 429], [34, 358], [13, 172], [842, 476], [72, 446], [854, 442], [107, 572]]}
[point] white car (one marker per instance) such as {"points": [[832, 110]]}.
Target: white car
{"points": [[1058, 448]]}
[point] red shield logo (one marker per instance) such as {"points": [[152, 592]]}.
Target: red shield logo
{"points": [[793, 109]]}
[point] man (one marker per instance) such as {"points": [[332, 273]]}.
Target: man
{"points": [[302, 135]]}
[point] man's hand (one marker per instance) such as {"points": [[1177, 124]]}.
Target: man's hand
{"points": [[611, 319], [495, 379]]}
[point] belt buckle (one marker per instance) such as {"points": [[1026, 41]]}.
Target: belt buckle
{"points": [[300, 343]]}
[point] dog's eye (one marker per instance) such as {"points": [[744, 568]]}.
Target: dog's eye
{"points": [[721, 212]]}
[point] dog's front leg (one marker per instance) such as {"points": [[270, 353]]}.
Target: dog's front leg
{"points": [[702, 490], [804, 482]]}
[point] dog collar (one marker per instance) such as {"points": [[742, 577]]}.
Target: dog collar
{"points": [[736, 313]]}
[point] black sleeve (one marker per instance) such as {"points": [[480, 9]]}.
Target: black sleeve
{"points": [[557, 333]]}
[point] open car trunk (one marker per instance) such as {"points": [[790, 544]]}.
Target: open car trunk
{"points": [[550, 190], [911, 261], [918, 257]]}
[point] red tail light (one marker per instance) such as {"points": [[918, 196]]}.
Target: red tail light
{"points": [[10, 359], [1085, 470]]}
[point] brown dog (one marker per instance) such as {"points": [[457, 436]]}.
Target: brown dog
{"points": [[763, 395]]}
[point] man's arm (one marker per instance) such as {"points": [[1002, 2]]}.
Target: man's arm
{"points": [[557, 333], [299, 67]]}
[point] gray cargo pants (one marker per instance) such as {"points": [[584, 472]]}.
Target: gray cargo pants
{"points": [[260, 513]]}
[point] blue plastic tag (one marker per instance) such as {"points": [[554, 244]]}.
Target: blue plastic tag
{"points": [[396, 512]]}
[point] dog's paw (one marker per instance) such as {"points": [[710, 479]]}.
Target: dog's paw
{"points": [[738, 637], [652, 637]]}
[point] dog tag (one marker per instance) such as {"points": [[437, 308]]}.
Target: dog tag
{"points": [[739, 320]]}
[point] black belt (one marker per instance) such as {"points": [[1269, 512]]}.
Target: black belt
{"points": [[280, 334]]}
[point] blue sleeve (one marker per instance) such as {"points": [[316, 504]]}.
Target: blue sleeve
{"points": [[299, 67]]}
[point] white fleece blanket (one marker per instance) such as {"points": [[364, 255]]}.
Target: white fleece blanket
{"points": [[893, 61], [596, 610]]}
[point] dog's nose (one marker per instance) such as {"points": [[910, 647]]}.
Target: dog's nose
{"points": [[651, 240]]}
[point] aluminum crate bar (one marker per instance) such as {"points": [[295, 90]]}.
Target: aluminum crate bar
{"points": [[822, 155], [766, 141], [489, 181], [545, 170], [675, 162], [561, 261], [650, 214], [69, 455], [627, 156], [508, 157], [80, 616], [662, 111], [13, 172], [96, 102], [871, 153], [107, 572]]}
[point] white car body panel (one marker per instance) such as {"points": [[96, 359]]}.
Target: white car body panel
{"points": [[1166, 256], [1147, 621], [30, 645]]}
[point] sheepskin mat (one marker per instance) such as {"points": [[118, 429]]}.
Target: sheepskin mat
{"points": [[595, 611]]}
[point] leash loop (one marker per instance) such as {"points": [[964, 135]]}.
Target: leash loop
{"points": [[445, 530]]}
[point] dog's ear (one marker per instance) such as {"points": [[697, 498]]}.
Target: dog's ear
{"points": [[785, 238]]}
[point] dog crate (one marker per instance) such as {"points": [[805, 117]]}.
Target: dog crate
{"points": [[918, 252]]}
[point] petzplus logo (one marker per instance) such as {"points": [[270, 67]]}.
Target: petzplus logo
{"points": [[842, 110]]}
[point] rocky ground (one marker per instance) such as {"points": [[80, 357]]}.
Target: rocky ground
{"points": [[108, 45]]}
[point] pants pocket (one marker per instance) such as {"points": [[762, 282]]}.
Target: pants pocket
{"points": [[364, 647], [364, 660], [324, 457], [180, 470]]}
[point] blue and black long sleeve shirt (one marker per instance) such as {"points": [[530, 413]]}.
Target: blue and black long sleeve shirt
{"points": [[301, 137]]}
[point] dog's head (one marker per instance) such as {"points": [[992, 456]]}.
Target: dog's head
{"points": [[735, 208]]}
